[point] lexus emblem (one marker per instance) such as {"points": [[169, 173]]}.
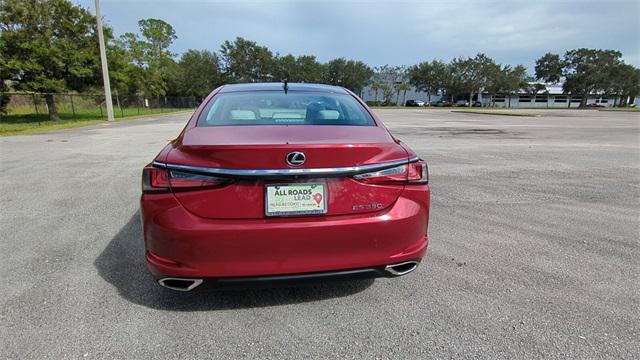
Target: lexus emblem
{"points": [[295, 158]]}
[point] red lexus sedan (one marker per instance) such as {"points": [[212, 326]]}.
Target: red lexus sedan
{"points": [[280, 181]]}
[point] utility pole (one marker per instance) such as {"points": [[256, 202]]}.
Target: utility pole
{"points": [[105, 67]]}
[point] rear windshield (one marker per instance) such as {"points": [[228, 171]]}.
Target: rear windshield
{"points": [[278, 108]]}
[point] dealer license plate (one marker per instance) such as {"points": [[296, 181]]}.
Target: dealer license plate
{"points": [[295, 199]]}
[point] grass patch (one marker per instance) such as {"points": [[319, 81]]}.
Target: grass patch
{"points": [[495, 112], [21, 124]]}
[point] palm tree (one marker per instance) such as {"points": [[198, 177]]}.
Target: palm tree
{"points": [[404, 87], [376, 86], [387, 93]]}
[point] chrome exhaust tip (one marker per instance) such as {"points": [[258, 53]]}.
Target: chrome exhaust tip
{"points": [[180, 284], [402, 268]]}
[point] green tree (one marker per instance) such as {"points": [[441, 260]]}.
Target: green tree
{"points": [[534, 89], [285, 67], [4, 78], [125, 77], [196, 74], [304, 68], [472, 74], [390, 77], [159, 35], [246, 61], [335, 71], [452, 85], [151, 56], [376, 86], [134, 48], [507, 81], [386, 90], [428, 77], [516, 79], [310, 69], [404, 87], [496, 81], [629, 84], [49, 46], [585, 71], [351, 74], [588, 71], [549, 68], [623, 83]]}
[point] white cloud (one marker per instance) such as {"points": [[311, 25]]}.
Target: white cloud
{"points": [[396, 32]]}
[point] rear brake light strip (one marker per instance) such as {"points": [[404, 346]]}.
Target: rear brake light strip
{"points": [[274, 173]]}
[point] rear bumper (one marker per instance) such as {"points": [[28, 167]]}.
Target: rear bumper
{"points": [[188, 284], [180, 244]]}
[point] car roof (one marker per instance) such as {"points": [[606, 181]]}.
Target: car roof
{"points": [[278, 86]]}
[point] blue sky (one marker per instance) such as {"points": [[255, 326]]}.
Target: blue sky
{"points": [[393, 32]]}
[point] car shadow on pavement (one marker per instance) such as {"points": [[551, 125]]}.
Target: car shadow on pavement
{"points": [[122, 264]]}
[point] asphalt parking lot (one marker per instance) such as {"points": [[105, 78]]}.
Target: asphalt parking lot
{"points": [[534, 253]]}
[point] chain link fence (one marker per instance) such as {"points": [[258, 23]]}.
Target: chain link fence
{"points": [[19, 107]]}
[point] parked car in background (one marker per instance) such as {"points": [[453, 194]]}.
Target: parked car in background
{"points": [[465, 103], [271, 182], [442, 103], [414, 103]]}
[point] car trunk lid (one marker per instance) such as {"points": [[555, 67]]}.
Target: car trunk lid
{"points": [[266, 148]]}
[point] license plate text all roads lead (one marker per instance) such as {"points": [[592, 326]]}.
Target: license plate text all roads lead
{"points": [[295, 199]]}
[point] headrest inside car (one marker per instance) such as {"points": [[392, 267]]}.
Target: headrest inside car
{"points": [[243, 115], [328, 115]]}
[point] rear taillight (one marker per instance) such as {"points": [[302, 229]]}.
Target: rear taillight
{"points": [[418, 172], [155, 180], [180, 180], [413, 173]]}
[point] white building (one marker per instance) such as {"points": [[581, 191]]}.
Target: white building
{"points": [[368, 94], [551, 97]]}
